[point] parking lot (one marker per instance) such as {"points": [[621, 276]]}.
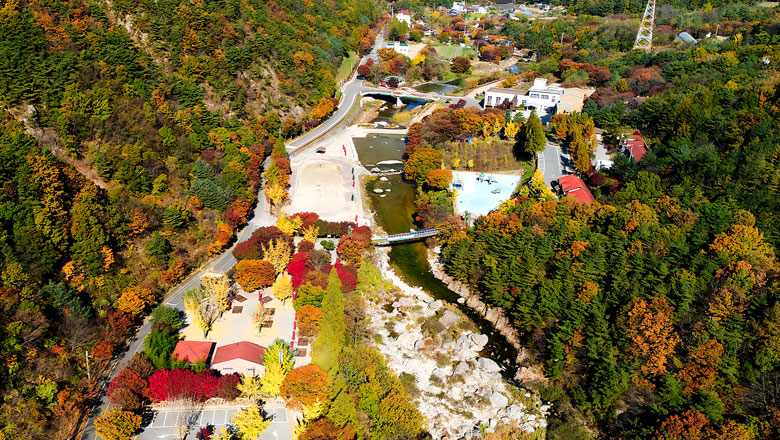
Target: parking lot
{"points": [[164, 424]]}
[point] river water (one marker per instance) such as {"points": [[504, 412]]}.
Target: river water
{"points": [[394, 212]]}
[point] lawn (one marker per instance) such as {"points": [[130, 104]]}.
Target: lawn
{"points": [[451, 51], [345, 69]]}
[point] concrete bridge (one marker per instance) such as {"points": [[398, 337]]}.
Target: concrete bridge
{"points": [[401, 93], [405, 238]]}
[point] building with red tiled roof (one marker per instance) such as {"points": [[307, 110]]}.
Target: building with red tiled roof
{"points": [[635, 146], [242, 357], [574, 186], [193, 351]]}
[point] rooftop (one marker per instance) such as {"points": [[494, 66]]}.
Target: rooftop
{"points": [[573, 186], [508, 91], [636, 146], [247, 351], [193, 351]]}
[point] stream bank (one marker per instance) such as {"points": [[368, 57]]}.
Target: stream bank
{"points": [[394, 213]]}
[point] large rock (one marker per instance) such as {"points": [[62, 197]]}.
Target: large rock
{"points": [[436, 305], [405, 301], [449, 318], [480, 340], [462, 368], [461, 300], [498, 400], [489, 365], [407, 339]]}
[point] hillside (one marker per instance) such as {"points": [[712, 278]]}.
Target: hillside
{"points": [[133, 136]]}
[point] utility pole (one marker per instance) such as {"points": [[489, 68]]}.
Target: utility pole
{"points": [[86, 355], [644, 38]]}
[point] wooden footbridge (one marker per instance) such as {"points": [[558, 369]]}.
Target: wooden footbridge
{"points": [[405, 238]]}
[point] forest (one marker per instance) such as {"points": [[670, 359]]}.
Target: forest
{"points": [[133, 137], [653, 311]]}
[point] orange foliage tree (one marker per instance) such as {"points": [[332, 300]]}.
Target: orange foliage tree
{"points": [[309, 320], [702, 367], [254, 274], [322, 429], [686, 426], [305, 386], [351, 247], [420, 163], [324, 108], [439, 179], [134, 299], [649, 327]]}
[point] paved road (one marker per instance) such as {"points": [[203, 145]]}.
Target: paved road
{"points": [[164, 424], [350, 91], [221, 264], [552, 162]]}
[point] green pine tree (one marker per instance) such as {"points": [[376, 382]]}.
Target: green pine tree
{"points": [[328, 345], [532, 138]]}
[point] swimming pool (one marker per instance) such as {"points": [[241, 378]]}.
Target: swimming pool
{"points": [[480, 193]]}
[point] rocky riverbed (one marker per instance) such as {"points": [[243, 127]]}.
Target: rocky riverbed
{"points": [[437, 353]]}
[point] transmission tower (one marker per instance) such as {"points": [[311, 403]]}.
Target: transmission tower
{"points": [[644, 38]]}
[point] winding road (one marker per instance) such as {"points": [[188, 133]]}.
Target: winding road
{"points": [[350, 91], [225, 261]]}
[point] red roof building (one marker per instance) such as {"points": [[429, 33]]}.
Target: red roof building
{"points": [[240, 357], [193, 351], [574, 186], [636, 146]]}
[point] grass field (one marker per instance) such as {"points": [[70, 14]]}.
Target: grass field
{"points": [[345, 69], [450, 52]]}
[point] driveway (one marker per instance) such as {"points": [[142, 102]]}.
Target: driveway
{"points": [[552, 162], [164, 423]]}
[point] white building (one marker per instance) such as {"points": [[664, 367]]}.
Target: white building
{"points": [[459, 6], [547, 100], [405, 17], [243, 357], [399, 47]]}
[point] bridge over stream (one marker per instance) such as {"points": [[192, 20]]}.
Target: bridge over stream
{"points": [[405, 238], [400, 94]]}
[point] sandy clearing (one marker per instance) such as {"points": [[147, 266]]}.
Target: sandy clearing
{"points": [[319, 188]]}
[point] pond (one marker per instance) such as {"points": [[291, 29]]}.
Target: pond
{"points": [[442, 88], [394, 212]]}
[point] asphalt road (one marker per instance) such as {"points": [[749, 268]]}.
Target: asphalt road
{"points": [[350, 91], [552, 162]]}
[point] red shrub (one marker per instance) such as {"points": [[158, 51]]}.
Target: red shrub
{"points": [[308, 218], [227, 387], [305, 246]]}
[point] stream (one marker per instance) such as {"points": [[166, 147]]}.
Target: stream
{"points": [[394, 213]]}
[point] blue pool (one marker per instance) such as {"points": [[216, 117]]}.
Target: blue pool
{"points": [[480, 193]]}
